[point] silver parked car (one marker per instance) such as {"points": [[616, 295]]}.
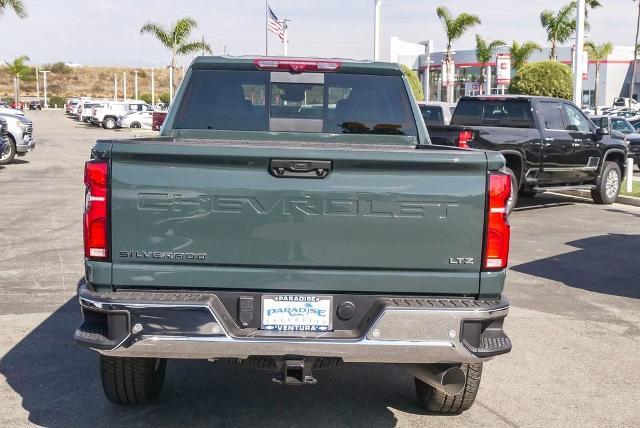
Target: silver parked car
{"points": [[136, 119], [19, 137]]}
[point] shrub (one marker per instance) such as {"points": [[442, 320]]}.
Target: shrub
{"points": [[59, 68], [146, 97], [164, 98], [414, 82], [56, 101], [544, 78]]}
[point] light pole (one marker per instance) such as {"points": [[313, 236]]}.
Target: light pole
{"points": [[153, 88], [635, 58], [135, 84], [44, 81], [37, 84], [124, 86], [578, 53], [376, 29], [115, 87], [426, 86]]}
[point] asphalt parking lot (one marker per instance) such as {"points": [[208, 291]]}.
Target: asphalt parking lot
{"points": [[574, 286]]}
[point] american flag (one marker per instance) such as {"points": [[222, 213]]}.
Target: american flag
{"points": [[274, 25]]}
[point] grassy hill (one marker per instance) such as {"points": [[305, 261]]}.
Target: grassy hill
{"points": [[95, 82]]}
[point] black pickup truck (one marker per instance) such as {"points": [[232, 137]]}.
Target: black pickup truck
{"points": [[548, 143]]}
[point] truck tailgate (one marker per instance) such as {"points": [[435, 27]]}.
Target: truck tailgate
{"points": [[209, 214]]}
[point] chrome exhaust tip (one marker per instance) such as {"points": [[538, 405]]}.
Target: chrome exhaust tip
{"points": [[448, 379]]}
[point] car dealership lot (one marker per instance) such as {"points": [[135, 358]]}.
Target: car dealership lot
{"points": [[574, 286]]}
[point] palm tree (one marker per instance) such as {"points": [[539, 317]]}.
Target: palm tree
{"points": [[520, 53], [455, 27], [484, 53], [598, 54], [18, 70], [16, 5], [176, 38], [560, 26], [590, 4]]}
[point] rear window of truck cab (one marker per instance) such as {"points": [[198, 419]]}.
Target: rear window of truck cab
{"points": [[507, 113], [309, 102]]}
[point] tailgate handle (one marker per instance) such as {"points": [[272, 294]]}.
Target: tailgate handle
{"points": [[287, 168]]}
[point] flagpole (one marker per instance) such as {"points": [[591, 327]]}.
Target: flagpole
{"points": [[266, 28], [285, 38]]}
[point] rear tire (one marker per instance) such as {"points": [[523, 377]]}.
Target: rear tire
{"points": [[436, 401], [109, 123], [606, 191], [135, 125], [9, 151], [132, 380]]}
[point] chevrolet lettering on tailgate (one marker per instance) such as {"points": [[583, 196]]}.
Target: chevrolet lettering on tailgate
{"points": [[307, 205]]}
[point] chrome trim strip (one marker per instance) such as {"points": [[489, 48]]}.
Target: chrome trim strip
{"points": [[569, 169], [365, 350]]}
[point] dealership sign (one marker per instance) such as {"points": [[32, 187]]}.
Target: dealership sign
{"points": [[503, 69], [471, 88]]}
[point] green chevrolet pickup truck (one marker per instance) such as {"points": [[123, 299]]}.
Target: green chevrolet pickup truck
{"points": [[292, 216]]}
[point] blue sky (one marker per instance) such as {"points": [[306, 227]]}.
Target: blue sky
{"points": [[106, 32]]}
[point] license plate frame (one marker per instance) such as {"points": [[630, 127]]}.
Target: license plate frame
{"points": [[279, 312]]}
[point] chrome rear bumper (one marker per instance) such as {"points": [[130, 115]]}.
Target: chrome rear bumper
{"points": [[197, 326]]}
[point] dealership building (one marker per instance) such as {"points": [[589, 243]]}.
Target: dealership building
{"points": [[615, 72]]}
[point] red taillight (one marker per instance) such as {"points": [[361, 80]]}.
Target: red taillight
{"points": [[463, 139], [296, 65], [496, 246], [96, 224]]}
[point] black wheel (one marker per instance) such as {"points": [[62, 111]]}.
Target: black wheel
{"points": [[514, 190], [9, 151], [109, 123], [136, 125], [608, 187], [433, 400], [132, 380]]}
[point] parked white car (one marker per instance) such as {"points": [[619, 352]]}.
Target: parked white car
{"points": [[8, 110], [107, 114], [85, 110], [137, 119]]}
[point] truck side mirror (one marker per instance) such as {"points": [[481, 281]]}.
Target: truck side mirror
{"points": [[600, 132]]}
